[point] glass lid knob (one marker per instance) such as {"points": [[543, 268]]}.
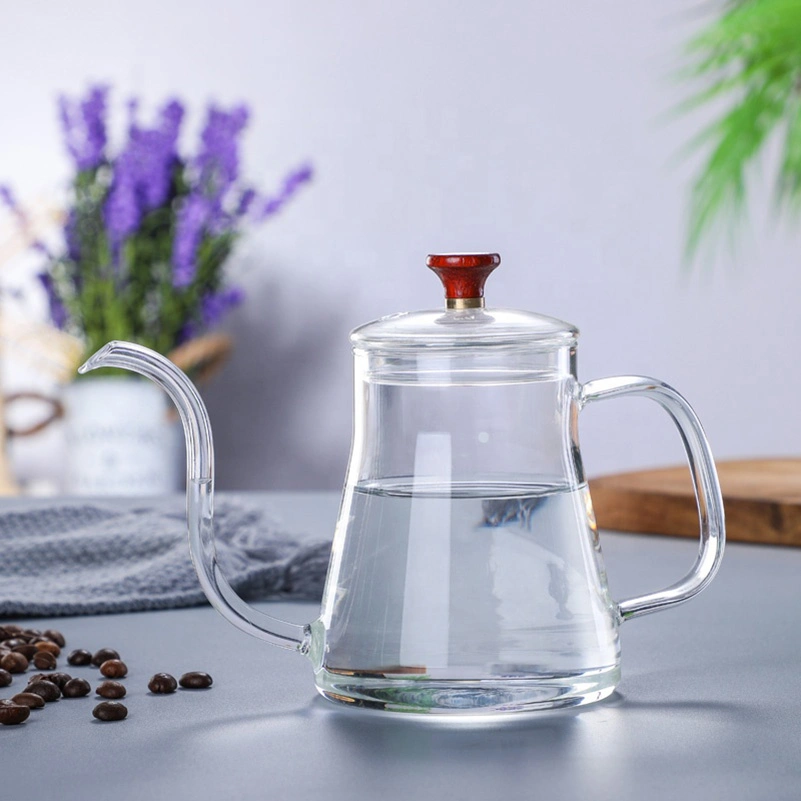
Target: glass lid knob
{"points": [[463, 276]]}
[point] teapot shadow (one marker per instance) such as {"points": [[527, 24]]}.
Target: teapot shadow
{"points": [[411, 740], [446, 739], [733, 711], [364, 724]]}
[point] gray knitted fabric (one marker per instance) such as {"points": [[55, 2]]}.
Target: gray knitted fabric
{"points": [[90, 559]]}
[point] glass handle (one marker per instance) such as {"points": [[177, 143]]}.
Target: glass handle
{"points": [[705, 483], [200, 491]]}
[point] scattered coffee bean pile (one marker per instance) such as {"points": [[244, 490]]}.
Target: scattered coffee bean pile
{"points": [[21, 648]]}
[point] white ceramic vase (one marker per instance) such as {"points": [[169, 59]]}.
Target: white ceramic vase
{"points": [[119, 439]]}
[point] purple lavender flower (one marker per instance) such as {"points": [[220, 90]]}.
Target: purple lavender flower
{"points": [[132, 105], [218, 160], [297, 178], [152, 169], [245, 202], [291, 185], [58, 312], [41, 248], [84, 127], [122, 213], [143, 173], [214, 305], [93, 113], [156, 154], [186, 332], [71, 236], [191, 219], [172, 115], [8, 200]]}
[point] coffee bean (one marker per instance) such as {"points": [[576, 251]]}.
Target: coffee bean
{"points": [[162, 684], [44, 660], [114, 669], [5, 678], [12, 628], [80, 657], [14, 663], [46, 689], [12, 714], [76, 688], [47, 645], [31, 700], [30, 633], [110, 710], [103, 655], [59, 679], [28, 651], [195, 681], [111, 689], [12, 643], [56, 636], [5, 634]]}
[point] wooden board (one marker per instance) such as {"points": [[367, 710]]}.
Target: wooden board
{"points": [[762, 499]]}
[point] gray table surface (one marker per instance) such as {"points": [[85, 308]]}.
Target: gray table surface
{"points": [[709, 706]]}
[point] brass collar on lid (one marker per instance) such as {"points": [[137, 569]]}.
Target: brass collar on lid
{"points": [[464, 303]]}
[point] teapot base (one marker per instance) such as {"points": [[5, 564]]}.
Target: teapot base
{"points": [[491, 696]]}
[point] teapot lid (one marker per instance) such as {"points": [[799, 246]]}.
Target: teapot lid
{"points": [[466, 321]]}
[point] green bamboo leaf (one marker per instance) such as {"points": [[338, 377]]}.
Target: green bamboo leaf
{"points": [[751, 54]]}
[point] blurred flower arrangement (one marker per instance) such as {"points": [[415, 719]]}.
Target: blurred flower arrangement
{"points": [[148, 230]]}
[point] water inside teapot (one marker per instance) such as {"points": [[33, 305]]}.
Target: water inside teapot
{"points": [[470, 581]]}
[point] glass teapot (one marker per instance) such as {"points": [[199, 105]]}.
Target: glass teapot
{"points": [[466, 573]]}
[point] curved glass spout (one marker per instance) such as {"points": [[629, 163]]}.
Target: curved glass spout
{"points": [[200, 491]]}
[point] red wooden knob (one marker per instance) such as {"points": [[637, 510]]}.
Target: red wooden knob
{"points": [[463, 276]]}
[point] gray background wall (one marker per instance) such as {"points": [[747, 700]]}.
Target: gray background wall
{"points": [[540, 130]]}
